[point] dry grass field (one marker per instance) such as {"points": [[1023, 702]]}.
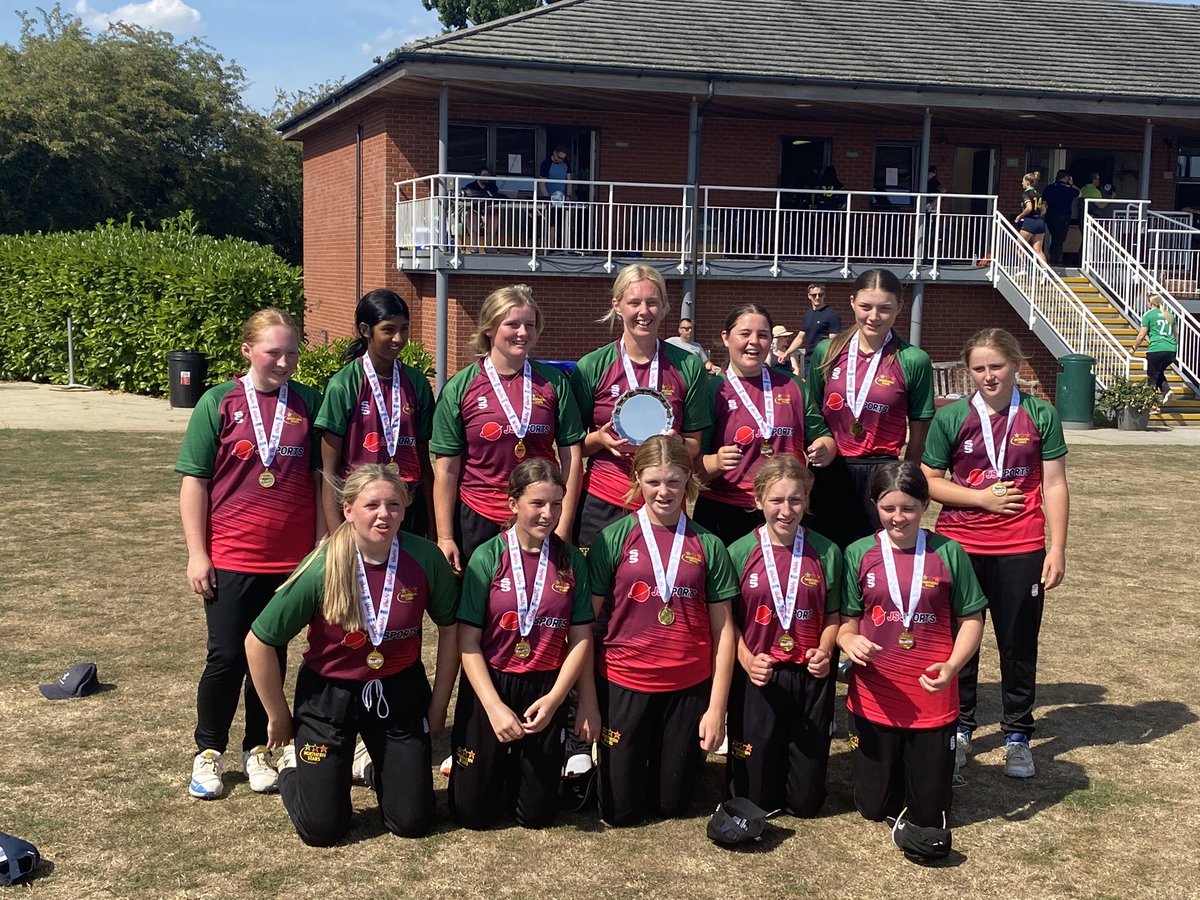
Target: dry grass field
{"points": [[91, 568]]}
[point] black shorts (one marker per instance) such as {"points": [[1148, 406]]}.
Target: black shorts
{"points": [[899, 768], [416, 518], [841, 508], [593, 517], [726, 521], [471, 531], [1031, 225]]}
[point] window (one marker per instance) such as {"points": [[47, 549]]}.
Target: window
{"points": [[515, 152], [895, 166], [467, 152]]}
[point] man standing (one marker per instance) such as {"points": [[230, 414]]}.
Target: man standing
{"points": [[555, 190], [1090, 191], [684, 342], [819, 323], [1060, 202]]}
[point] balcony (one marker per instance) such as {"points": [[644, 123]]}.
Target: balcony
{"points": [[709, 231]]}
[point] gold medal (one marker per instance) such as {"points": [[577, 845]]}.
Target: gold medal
{"points": [[906, 640], [766, 451], [375, 659], [523, 650], [266, 479], [519, 450], [856, 429], [393, 467], [666, 616], [787, 643], [999, 489]]}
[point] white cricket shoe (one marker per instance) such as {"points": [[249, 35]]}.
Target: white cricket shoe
{"points": [[259, 771], [1018, 760], [206, 775]]}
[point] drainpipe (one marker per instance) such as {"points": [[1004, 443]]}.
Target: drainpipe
{"points": [[441, 280], [1147, 136], [918, 298], [358, 212], [687, 309]]}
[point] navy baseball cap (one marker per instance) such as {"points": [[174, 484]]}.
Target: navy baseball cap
{"points": [[78, 681], [18, 858], [737, 820]]}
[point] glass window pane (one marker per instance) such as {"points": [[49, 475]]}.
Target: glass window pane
{"points": [[467, 150], [515, 156]]}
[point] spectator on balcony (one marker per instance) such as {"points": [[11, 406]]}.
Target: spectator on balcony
{"points": [[1029, 220], [830, 184], [1060, 208], [684, 342], [1159, 327], [819, 323], [478, 217], [555, 190], [1090, 191]]}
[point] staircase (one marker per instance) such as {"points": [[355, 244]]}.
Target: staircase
{"points": [[1184, 406]]}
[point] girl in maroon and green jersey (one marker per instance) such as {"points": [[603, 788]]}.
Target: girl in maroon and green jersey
{"points": [[781, 701], [662, 587], [875, 390], [378, 410], [524, 624], [1006, 459], [250, 509], [499, 410], [639, 303]]}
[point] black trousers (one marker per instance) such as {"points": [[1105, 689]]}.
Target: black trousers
{"points": [[726, 521], [779, 739], [1156, 367], [896, 768], [1016, 598], [416, 518], [471, 530], [649, 750], [593, 516], [236, 602], [328, 716], [841, 508], [521, 777], [1057, 230]]}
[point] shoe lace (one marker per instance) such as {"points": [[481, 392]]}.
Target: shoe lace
{"points": [[257, 759], [208, 765]]}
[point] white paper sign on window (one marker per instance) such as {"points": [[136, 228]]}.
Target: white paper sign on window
{"points": [[514, 163]]}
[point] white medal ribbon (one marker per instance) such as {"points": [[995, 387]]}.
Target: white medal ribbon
{"points": [[989, 440], [267, 447], [519, 426], [766, 421], [918, 575], [785, 604], [664, 581], [631, 376], [858, 399], [377, 624], [389, 417], [527, 604]]}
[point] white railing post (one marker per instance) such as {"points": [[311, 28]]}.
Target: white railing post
{"points": [[922, 222], [684, 208], [937, 236], [775, 252], [707, 235], [533, 263], [608, 263], [456, 222], [846, 237]]}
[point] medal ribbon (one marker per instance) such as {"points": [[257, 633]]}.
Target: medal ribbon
{"points": [[918, 574], [989, 440], [520, 426], [390, 418], [664, 581], [859, 400], [527, 604], [785, 604], [766, 421], [267, 447], [377, 625], [630, 375]]}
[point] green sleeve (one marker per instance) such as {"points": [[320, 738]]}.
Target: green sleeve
{"points": [[1049, 425], [815, 425], [697, 413], [816, 377], [295, 604], [583, 384], [449, 436], [852, 599], [341, 399], [603, 554], [477, 582], [443, 586], [1147, 318], [721, 581], [198, 454], [582, 612], [711, 386], [740, 550], [831, 563], [313, 400], [966, 596], [943, 435], [918, 381], [424, 403], [568, 428]]}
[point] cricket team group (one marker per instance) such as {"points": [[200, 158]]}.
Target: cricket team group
{"points": [[619, 604]]}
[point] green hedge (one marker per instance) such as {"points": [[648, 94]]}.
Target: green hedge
{"points": [[319, 364], [133, 295]]}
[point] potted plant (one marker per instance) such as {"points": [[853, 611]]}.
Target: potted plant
{"points": [[1130, 401]]}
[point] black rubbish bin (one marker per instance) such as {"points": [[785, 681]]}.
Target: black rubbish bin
{"points": [[187, 369]]}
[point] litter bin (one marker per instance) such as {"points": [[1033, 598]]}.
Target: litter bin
{"points": [[1076, 396], [187, 370]]}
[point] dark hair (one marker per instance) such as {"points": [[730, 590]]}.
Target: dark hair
{"points": [[905, 477], [747, 309], [539, 471], [871, 279], [374, 307]]}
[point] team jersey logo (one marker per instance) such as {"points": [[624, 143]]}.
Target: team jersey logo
{"points": [[405, 594], [510, 621], [482, 402], [870, 579], [835, 402], [313, 753], [561, 586], [291, 450], [783, 398], [610, 737], [238, 417], [1020, 439], [292, 418], [732, 404], [885, 380], [633, 555], [853, 738], [836, 373], [640, 591], [667, 390], [741, 750], [615, 390], [407, 408], [930, 582], [505, 585], [753, 579], [464, 757], [354, 639], [371, 441], [365, 407], [243, 449], [878, 616], [968, 446], [975, 477], [809, 579], [491, 431], [743, 435], [763, 615], [689, 557], [539, 400]]}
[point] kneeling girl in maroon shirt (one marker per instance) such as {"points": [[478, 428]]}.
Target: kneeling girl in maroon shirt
{"points": [[362, 596], [524, 626]]}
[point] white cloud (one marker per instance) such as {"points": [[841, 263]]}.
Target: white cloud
{"points": [[417, 26], [174, 16]]}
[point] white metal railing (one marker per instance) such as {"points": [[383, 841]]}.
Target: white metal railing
{"points": [[1165, 243], [1055, 304], [622, 219], [1108, 262]]}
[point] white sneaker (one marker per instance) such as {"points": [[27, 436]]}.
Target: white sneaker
{"points": [[206, 775], [259, 771], [962, 746], [1018, 760], [362, 759], [287, 758]]}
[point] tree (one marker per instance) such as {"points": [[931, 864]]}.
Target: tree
{"points": [[456, 14], [129, 122]]}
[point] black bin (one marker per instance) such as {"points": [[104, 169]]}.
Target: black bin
{"points": [[188, 369]]}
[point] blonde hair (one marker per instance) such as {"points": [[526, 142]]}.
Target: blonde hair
{"points": [[783, 466], [663, 450], [339, 599], [1155, 301], [1032, 178], [627, 278], [258, 323], [998, 339], [497, 305]]}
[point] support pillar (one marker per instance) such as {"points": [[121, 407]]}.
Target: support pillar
{"points": [[441, 280], [1147, 138], [687, 308]]}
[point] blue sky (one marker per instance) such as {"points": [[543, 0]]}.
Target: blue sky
{"points": [[289, 45]]}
